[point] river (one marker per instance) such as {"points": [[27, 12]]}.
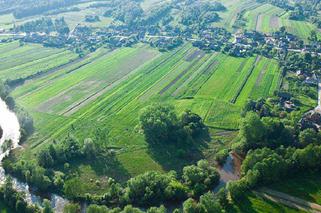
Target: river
{"points": [[230, 171], [11, 131]]}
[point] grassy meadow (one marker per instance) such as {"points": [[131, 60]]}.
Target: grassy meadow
{"points": [[101, 97]]}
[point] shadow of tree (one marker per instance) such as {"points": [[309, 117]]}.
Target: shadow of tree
{"points": [[176, 155]]}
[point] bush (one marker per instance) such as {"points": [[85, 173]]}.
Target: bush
{"points": [[153, 188], [200, 178]]}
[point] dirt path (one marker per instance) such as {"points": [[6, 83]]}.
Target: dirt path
{"points": [[288, 200]]}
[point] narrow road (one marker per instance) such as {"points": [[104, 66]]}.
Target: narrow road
{"points": [[288, 200]]}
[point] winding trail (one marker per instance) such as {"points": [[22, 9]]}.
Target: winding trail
{"points": [[288, 200]]}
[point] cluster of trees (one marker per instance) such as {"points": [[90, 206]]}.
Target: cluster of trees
{"points": [[207, 203], [153, 188], [43, 175], [214, 38], [46, 25], [128, 11], [68, 150], [256, 132], [16, 200], [31, 8], [161, 125], [279, 3], [302, 62], [166, 44], [259, 106], [200, 13], [264, 166], [304, 10]]}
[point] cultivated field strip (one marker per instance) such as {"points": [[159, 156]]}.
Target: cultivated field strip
{"points": [[200, 67], [38, 66], [47, 78], [268, 18], [90, 79], [108, 93], [25, 54], [192, 66]]}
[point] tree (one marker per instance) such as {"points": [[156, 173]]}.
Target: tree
{"points": [[21, 205], [210, 203], [252, 131], [97, 209], [309, 136], [201, 177], [191, 206], [159, 123], [7, 145], [131, 209], [72, 208], [47, 207], [73, 188], [1, 132], [193, 123], [150, 188], [161, 209], [236, 189], [45, 159], [89, 149]]}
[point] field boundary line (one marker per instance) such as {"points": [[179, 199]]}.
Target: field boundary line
{"points": [[215, 64], [234, 99], [140, 96], [181, 74], [74, 108], [195, 75], [61, 67]]}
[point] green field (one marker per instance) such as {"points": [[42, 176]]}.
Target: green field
{"points": [[107, 90], [18, 62], [73, 18], [252, 203], [304, 186], [268, 18]]}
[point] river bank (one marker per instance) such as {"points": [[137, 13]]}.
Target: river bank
{"points": [[9, 123]]}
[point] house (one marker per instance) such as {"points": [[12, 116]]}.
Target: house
{"points": [[289, 106], [299, 73]]}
